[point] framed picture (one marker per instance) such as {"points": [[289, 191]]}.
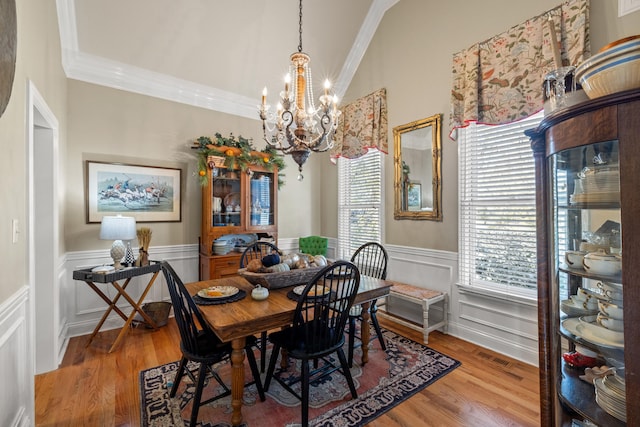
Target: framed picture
{"points": [[147, 193], [414, 196]]}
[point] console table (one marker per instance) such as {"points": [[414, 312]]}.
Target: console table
{"points": [[113, 277]]}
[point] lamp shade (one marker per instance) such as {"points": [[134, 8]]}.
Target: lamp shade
{"points": [[118, 228]]}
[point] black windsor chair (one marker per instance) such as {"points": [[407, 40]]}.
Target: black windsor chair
{"points": [[371, 259], [257, 250], [317, 331], [199, 344]]}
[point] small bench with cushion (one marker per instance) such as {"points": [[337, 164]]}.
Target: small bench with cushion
{"points": [[424, 297]]}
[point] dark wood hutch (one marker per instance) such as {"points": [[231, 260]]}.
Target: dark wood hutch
{"points": [[566, 142]]}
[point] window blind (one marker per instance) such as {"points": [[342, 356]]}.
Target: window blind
{"points": [[359, 202], [497, 224]]}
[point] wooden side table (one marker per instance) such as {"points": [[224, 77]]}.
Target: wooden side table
{"points": [[91, 278]]}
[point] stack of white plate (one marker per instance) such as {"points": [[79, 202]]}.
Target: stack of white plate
{"points": [[610, 396], [221, 247], [597, 186]]}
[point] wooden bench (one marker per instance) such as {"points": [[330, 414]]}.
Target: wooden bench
{"points": [[424, 297]]}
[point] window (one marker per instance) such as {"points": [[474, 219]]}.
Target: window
{"points": [[360, 204], [497, 224]]}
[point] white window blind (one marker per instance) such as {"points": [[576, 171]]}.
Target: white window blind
{"points": [[359, 202], [497, 224]]}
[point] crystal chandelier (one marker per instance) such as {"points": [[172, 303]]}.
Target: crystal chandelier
{"points": [[297, 127]]}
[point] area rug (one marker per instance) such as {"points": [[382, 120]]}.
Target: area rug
{"points": [[389, 378]]}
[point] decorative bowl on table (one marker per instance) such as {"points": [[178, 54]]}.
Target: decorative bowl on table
{"points": [[281, 279]]}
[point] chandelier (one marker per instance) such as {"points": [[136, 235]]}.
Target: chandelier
{"points": [[297, 127]]}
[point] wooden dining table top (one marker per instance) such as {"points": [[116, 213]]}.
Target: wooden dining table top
{"points": [[247, 316]]}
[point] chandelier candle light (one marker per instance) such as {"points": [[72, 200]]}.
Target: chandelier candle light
{"points": [[298, 127]]}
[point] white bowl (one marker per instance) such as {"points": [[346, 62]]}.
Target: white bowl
{"points": [[585, 304], [602, 263], [611, 310], [574, 258], [613, 75], [610, 323], [606, 54]]}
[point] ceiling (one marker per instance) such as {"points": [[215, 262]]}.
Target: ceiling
{"points": [[215, 54]]}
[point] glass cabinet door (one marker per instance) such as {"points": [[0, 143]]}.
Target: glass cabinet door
{"points": [[226, 202], [587, 284], [262, 190]]}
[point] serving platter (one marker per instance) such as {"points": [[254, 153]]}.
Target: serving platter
{"points": [[593, 333], [218, 292], [569, 308]]}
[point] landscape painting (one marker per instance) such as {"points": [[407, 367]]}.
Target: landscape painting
{"points": [[147, 193]]}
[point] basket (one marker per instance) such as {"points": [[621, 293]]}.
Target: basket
{"points": [[280, 280], [158, 311]]}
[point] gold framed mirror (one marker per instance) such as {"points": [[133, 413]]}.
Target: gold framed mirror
{"points": [[417, 160]]}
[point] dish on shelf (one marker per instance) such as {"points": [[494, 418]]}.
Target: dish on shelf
{"points": [[574, 259], [593, 333], [601, 262], [595, 197], [610, 398], [216, 292], [570, 309], [231, 200]]}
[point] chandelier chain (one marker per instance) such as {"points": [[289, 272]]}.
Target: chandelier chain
{"points": [[297, 127], [300, 28]]}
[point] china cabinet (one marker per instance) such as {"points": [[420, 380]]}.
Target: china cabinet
{"points": [[588, 200], [235, 203]]}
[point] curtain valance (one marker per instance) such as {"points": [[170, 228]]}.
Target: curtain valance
{"points": [[363, 127], [501, 79]]}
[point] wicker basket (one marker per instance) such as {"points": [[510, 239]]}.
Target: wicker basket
{"points": [[280, 280]]}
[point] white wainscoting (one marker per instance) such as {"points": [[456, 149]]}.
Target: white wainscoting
{"points": [[85, 308], [16, 363], [506, 326]]}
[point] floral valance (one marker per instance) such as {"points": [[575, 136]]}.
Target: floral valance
{"points": [[363, 127], [501, 79]]}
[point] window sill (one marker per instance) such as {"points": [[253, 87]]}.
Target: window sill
{"points": [[488, 292]]}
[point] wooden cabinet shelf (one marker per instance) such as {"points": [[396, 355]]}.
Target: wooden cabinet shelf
{"points": [[602, 135], [235, 202]]}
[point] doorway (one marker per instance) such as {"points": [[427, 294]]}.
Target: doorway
{"points": [[43, 232]]}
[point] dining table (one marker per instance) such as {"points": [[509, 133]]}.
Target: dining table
{"points": [[235, 321]]}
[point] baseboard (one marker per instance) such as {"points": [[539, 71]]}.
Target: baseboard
{"points": [[498, 344]]}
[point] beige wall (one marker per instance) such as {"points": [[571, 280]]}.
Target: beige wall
{"points": [[38, 60], [411, 55], [116, 126]]}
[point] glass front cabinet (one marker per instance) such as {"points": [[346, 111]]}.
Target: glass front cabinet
{"points": [[588, 197], [237, 203]]}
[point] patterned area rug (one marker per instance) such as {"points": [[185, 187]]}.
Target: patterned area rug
{"points": [[389, 378]]}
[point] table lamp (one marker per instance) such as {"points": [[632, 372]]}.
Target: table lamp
{"points": [[118, 228]]}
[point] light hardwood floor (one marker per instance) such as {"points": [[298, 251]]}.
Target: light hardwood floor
{"points": [[94, 388]]}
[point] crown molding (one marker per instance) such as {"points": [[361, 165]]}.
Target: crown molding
{"points": [[104, 72], [366, 33]]}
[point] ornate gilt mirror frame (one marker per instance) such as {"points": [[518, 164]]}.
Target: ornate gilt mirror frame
{"points": [[417, 160]]}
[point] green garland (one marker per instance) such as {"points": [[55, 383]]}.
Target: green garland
{"points": [[220, 147]]}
